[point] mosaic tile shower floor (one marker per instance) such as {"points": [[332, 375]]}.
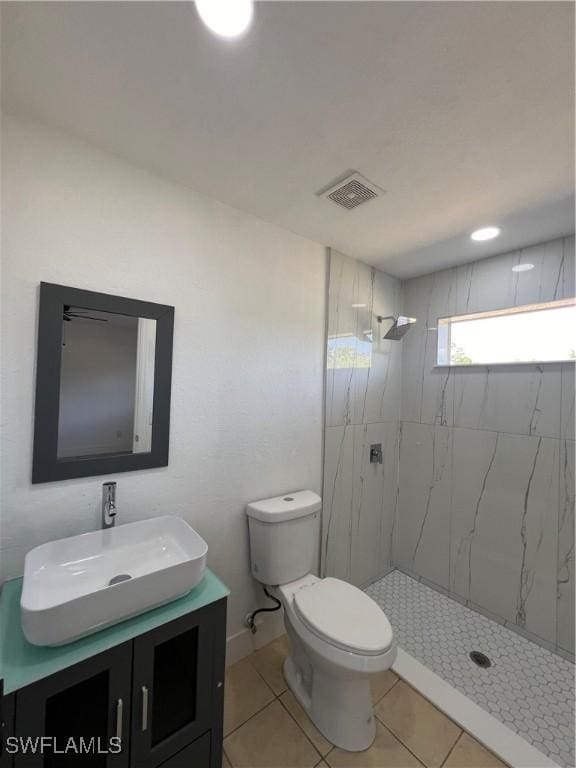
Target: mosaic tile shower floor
{"points": [[528, 688]]}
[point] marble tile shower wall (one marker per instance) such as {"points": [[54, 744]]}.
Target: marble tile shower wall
{"points": [[486, 491], [363, 391]]}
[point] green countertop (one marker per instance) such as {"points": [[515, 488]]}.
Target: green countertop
{"points": [[22, 663]]}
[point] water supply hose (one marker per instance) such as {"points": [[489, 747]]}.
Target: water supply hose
{"points": [[251, 618]]}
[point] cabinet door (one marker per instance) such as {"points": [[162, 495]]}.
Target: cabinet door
{"points": [[173, 682], [83, 711]]}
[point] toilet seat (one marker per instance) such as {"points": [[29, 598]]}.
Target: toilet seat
{"points": [[343, 616]]}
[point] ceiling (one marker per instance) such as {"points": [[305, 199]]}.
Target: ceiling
{"points": [[462, 111]]}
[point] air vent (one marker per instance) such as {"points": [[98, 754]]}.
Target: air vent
{"points": [[351, 191]]}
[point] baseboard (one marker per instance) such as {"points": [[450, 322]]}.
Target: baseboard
{"points": [[243, 643], [485, 728]]}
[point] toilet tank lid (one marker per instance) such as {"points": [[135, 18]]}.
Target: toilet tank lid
{"points": [[286, 507]]}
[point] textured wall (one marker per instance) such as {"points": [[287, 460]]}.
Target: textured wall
{"points": [[486, 503], [248, 345], [363, 380]]}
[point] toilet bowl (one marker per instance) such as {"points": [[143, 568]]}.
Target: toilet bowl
{"points": [[338, 635]]}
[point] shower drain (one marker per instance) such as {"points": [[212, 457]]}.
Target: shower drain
{"points": [[480, 659], [118, 579]]}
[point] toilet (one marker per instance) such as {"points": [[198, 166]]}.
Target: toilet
{"points": [[338, 635]]}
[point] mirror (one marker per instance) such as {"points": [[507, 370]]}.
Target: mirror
{"points": [[106, 383], [103, 384]]}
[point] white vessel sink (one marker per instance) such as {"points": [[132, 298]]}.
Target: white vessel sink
{"points": [[76, 586]]}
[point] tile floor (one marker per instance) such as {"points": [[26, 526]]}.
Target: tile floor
{"points": [[265, 727], [528, 688]]}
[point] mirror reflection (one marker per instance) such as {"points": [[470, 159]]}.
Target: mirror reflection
{"points": [[106, 383]]}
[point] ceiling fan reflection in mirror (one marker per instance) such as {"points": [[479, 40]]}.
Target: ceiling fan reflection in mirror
{"points": [[76, 313], [68, 315]]}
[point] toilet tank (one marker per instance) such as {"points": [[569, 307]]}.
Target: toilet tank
{"points": [[283, 536]]}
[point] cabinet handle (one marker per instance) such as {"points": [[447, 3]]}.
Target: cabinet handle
{"points": [[119, 718], [144, 708]]}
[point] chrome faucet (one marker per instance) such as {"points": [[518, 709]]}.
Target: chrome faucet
{"points": [[108, 505]]}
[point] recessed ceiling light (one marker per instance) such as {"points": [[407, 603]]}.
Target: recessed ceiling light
{"points": [[522, 267], [358, 306], [227, 18], [486, 233]]}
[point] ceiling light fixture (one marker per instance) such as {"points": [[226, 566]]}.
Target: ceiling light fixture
{"points": [[226, 18], [358, 306], [486, 233], [522, 267]]}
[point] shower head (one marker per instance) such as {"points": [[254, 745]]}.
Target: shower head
{"points": [[399, 327]]}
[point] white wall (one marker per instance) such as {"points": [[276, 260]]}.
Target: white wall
{"points": [[248, 345]]}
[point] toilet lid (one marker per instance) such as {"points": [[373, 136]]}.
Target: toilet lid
{"points": [[344, 616]]}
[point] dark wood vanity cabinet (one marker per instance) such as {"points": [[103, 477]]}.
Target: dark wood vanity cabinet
{"points": [[87, 701], [177, 689], [161, 693]]}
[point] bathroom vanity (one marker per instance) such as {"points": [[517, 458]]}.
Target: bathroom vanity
{"points": [[155, 682], [80, 683]]}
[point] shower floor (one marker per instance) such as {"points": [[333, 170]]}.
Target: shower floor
{"points": [[527, 688]]}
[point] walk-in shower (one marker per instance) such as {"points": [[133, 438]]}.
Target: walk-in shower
{"points": [[449, 494]]}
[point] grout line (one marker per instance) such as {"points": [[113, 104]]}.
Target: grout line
{"points": [[431, 704], [394, 684], [452, 748], [472, 737], [302, 730], [260, 675], [481, 429], [423, 696], [277, 697], [230, 733], [399, 740]]}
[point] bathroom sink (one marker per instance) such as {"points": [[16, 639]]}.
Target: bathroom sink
{"points": [[76, 586]]}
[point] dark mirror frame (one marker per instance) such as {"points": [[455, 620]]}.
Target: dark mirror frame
{"points": [[47, 466]]}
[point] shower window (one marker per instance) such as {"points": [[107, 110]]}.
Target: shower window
{"points": [[533, 333]]}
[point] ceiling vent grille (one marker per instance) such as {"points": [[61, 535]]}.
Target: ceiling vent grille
{"points": [[351, 191]]}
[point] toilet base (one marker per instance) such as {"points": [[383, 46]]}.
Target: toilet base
{"points": [[340, 706]]}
